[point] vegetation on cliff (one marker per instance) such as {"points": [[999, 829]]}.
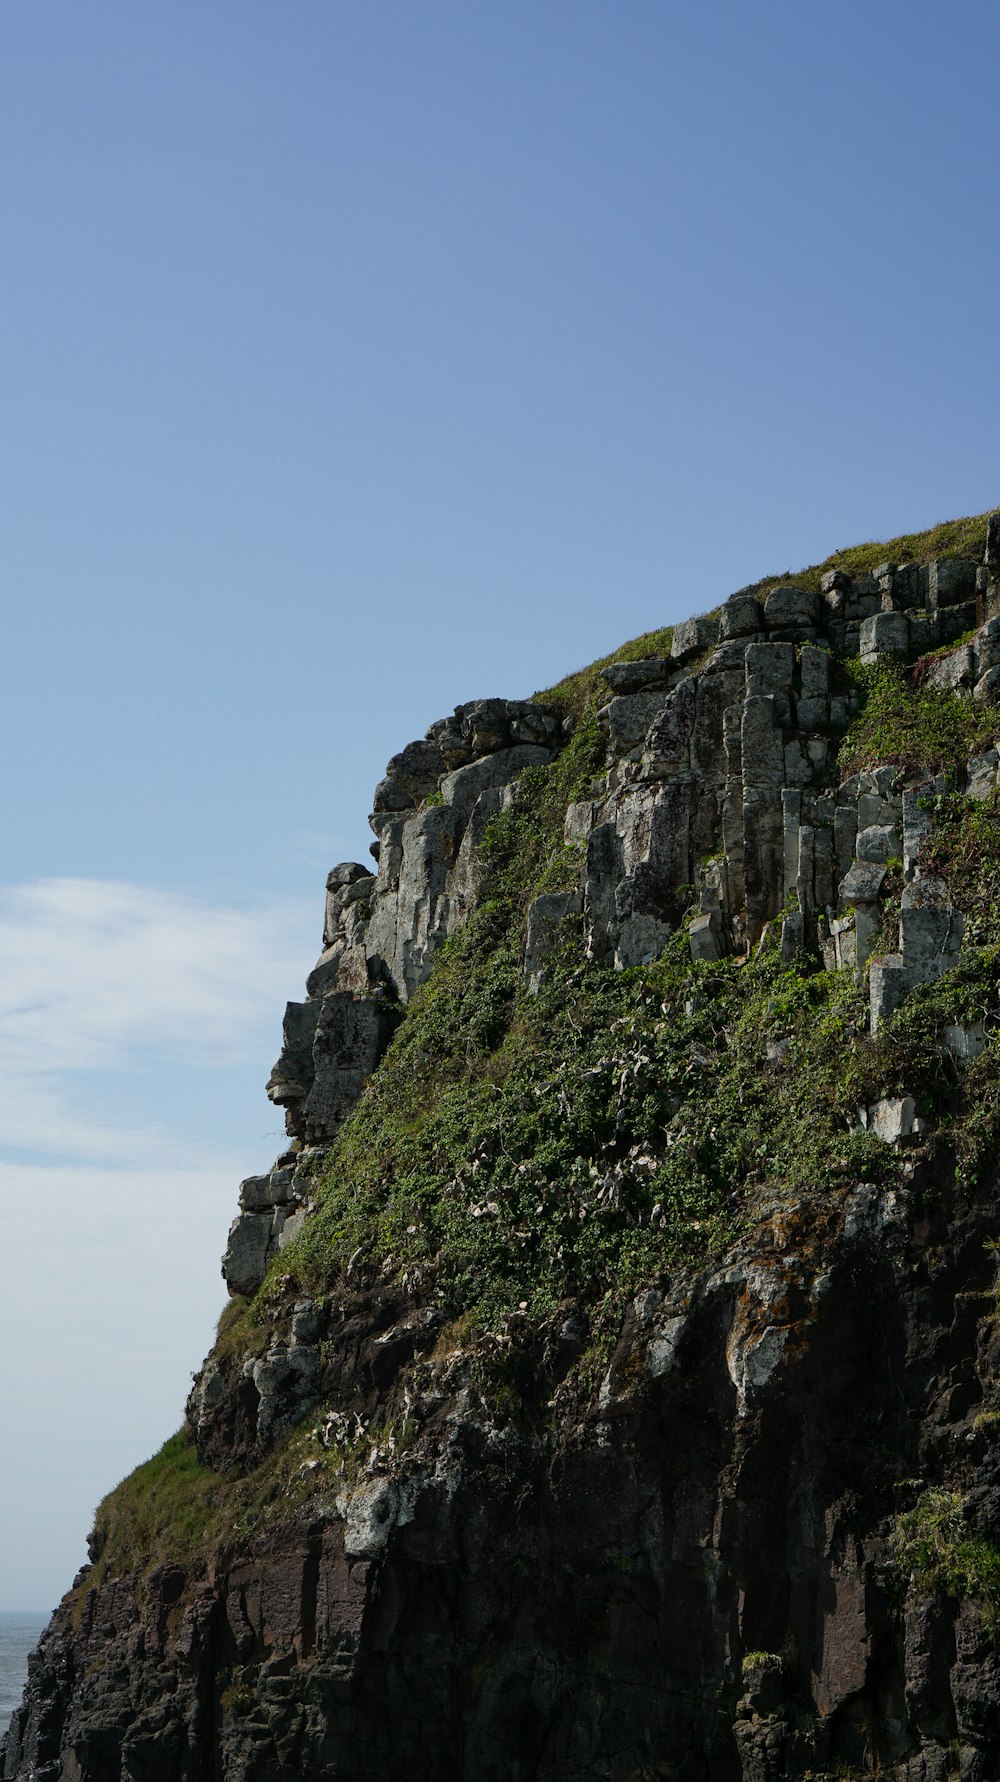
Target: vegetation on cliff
{"points": [[522, 1158]]}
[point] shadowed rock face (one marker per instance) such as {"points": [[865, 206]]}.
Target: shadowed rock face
{"points": [[687, 1569], [500, 1608]]}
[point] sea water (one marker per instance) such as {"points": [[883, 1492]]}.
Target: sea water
{"points": [[19, 1633]]}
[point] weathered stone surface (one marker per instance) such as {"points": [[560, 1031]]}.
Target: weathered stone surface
{"points": [[668, 744], [245, 1259], [740, 617], [693, 636], [790, 609], [637, 677], [814, 671], [884, 634], [291, 1078], [863, 882], [981, 775], [351, 1035], [629, 717], [894, 1120], [965, 1040], [930, 929], [770, 668], [879, 843], [704, 939], [987, 689], [953, 673], [763, 748], [545, 918], [951, 580]]}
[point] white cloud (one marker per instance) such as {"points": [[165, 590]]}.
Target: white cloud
{"points": [[111, 1292], [100, 976], [118, 1003]]}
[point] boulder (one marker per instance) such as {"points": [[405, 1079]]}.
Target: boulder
{"points": [[637, 677], [951, 580], [545, 918], [693, 636], [791, 609], [878, 844], [245, 1261], [740, 617], [884, 634]]}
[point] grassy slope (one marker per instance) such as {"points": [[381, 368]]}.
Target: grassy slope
{"points": [[528, 1153]]}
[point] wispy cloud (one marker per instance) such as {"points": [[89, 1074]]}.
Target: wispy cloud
{"points": [[102, 977]]}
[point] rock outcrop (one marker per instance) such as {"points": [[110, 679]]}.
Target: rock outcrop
{"points": [[752, 1536]]}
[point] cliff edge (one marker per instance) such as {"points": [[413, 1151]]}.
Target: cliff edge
{"points": [[610, 1381]]}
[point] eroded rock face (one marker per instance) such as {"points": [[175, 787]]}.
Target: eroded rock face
{"points": [[704, 1553], [688, 1572]]}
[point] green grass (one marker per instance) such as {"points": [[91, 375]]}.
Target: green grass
{"points": [[949, 538], [161, 1513], [933, 1542], [919, 728], [571, 1147]]}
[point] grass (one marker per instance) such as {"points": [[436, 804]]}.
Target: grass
{"points": [[934, 1544], [526, 1152], [918, 728], [161, 1514], [949, 538]]}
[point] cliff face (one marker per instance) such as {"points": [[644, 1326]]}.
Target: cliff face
{"points": [[610, 1382]]}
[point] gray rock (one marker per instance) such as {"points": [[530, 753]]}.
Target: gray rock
{"points": [[792, 936], [894, 1120], [987, 646], [981, 774], [668, 743], [351, 1035], [791, 609], [885, 634], [545, 918], [814, 670], [863, 882], [641, 939], [951, 581], [306, 1324], [579, 822], [629, 717], [291, 1227], [769, 669], [987, 689], [245, 1261], [907, 586], [762, 743], [693, 636], [371, 1513], [917, 826], [705, 939], [740, 617], [291, 1078], [965, 1040], [930, 930], [812, 714], [889, 981], [879, 843], [462, 788], [637, 677], [953, 673], [260, 1194]]}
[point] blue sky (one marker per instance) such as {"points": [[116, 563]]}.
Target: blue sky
{"points": [[359, 359]]}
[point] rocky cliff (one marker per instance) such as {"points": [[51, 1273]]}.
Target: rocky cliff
{"points": [[610, 1384]]}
